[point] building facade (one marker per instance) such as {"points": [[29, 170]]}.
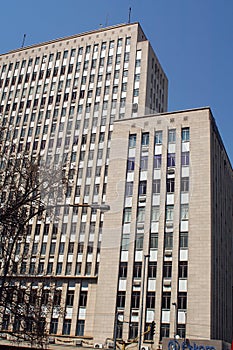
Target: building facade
{"points": [[84, 102], [170, 193]]}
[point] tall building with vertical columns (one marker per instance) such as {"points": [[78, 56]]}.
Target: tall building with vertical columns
{"points": [[168, 235], [97, 104]]}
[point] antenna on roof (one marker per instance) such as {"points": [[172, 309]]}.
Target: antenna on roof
{"points": [[24, 37], [106, 23], [129, 20]]}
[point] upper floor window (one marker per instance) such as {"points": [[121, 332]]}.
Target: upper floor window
{"points": [[158, 137], [185, 158], [127, 41], [171, 159], [157, 161], [185, 134], [171, 135], [145, 139], [130, 164], [127, 215]]}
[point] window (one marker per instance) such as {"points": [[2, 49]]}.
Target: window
{"points": [[172, 135], [184, 184], [129, 189], [145, 139], [183, 239], [70, 298], [142, 188], [53, 325], [144, 162], [150, 300], [158, 137], [182, 300], [185, 158], [171, 159], [155, 213], [137, 270], [165, 330], [139, 241], [52, 248], [71, 247], [154, 241], [130, 164], [59, 268], [166, 300], [133, 330], [100, 154], [66, 327], [124, 87], [135, 300], [88, 269], [127, 215], [50, 268], [123, 270], [34, 248], [167, 269], [156, 186], [168, 240], [184, 212], [170, 185], [185, 134], [121, 299], [132, 140], [157, 161], [136, 92], [181, 330], [43, 248], [152, 269], [125, 242], [169, 212], [83, 298], [183, 269], [141, 214], [80, 327], [78, 268]]}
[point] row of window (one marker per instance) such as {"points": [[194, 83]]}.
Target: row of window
{"points": [[171, 161], [65, 54], [170, 186], [169, 213], [185, 137], [59, 266], [139, 239], [152, 269]]}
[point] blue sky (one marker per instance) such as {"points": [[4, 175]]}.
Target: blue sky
{"points": [[193, 40]]}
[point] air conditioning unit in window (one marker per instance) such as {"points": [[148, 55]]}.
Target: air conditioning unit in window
{"points": [[136, 283], [168, 252], [167, 283], [140, 225], [169, 224], [171, 171], [98, 346]]}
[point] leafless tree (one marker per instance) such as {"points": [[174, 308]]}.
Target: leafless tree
{"points": [[28, 190]]}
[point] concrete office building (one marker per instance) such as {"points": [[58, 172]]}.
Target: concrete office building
{"points": [[84, 101], [170, 190]]}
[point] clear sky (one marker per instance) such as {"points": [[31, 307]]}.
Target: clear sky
{"points": [[193, 40]]}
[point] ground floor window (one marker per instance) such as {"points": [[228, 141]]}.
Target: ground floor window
{"points": [[80, 327], [66, 327]]}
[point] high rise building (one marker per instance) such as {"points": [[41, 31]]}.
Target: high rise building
{"points": [[97, 104]]}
